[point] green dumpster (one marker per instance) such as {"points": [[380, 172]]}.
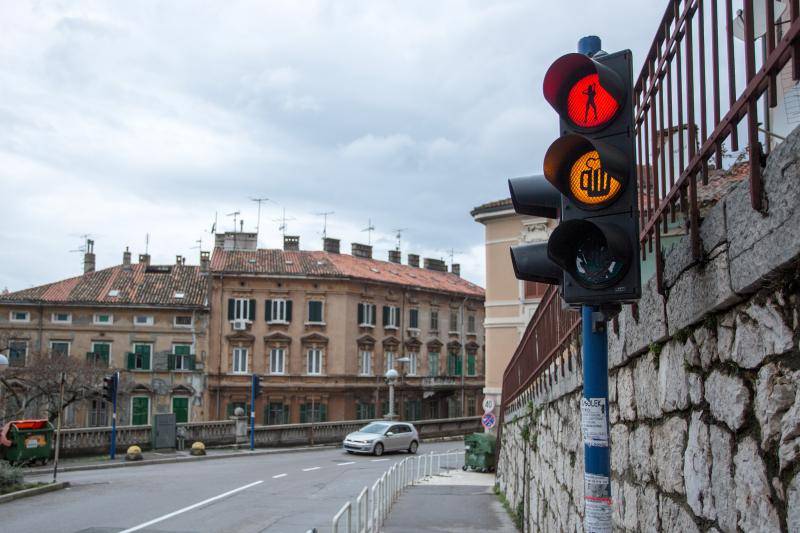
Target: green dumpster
{"points": [[26, 441], [480, 449]]}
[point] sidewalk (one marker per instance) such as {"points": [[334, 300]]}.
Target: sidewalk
{"points": [[461, 501]]}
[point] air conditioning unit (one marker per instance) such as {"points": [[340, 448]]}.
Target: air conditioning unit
{"points": [[413, 333], [240, 325]]}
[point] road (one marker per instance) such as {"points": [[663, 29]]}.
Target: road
{"points": [[289, 492]]}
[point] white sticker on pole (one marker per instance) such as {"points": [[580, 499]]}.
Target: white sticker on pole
{"points": [[593, 421], [595, 485], [598, 515]]}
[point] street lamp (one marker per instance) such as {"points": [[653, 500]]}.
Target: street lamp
{"points": [[391, 378]]}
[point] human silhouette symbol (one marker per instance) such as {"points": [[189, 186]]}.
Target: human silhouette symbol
{"points": [[590, 93]]}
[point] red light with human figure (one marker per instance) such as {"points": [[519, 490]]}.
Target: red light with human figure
{"points": [[589, 105]]}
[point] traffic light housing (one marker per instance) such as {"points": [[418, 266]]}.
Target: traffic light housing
{"points": [[594, 251], [110, 387], [256, 384]]}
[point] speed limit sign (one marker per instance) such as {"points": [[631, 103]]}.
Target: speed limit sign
{"points": [[488, 405]]}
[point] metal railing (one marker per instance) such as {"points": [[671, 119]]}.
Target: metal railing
{"points": [[372, 505], [687, 108]]}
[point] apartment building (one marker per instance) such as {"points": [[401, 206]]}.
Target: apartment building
{"points": [[321, 328], [149, 322]]}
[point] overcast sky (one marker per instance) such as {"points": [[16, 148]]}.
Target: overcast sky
{"points": [[120, 119]]}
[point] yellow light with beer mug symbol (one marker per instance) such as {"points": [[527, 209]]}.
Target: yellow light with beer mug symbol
{"points": [[589, 183]]}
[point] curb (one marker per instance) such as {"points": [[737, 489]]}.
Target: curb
{"points": [[33, 491]]}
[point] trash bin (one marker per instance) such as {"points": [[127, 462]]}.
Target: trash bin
{"points": [[480, 449], [26, 441]]}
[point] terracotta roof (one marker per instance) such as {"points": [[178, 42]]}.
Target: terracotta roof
{"points": [[135, 285], [324, 264], [496, 205]]}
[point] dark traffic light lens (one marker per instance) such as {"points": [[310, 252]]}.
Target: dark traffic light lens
{"points": [[596, 266]]}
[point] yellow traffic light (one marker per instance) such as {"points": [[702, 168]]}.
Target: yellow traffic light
{"points": [[589, 183]]}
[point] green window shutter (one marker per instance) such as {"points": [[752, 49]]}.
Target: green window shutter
{"points": [[180, 407], [146, 361], [385, 315], [360, 314], [171, 361], [131, 360], [303, 411], [252, 315], [288, 310], [182, 349], [471, 364], [192, 361], [267, 310], [231, 308], [286, 414], [323, 413], [229, 409], [458, 366]]}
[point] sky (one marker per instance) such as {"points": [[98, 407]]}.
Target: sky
{"points": [[124, 120]]}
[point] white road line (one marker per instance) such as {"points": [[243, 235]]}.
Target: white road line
{"points": [[191, 507], [347, 463], [312, 468], [378, 460], [279, 475]]}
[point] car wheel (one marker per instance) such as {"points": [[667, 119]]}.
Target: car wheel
{"points": [[378, 450], [350, 452], [413, 448], [464, 468]]}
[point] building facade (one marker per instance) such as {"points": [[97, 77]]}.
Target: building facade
{"points": [[321, 328]]}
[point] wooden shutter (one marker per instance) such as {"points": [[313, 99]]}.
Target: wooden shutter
{"points": [[288, 310], [303, 411], [171, 361], [386, 311], [267, 310], [146, 361], [192, 358], [323, 413], [252, 315], [231, 308], [360, 314], [131, 360]]}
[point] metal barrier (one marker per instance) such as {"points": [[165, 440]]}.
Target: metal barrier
{"points": [[372, 506]]}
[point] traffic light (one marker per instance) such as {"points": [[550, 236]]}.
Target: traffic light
{"points": [[594, 251], [256, 385], [110, 387]]}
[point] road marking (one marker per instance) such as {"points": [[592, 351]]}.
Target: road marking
{"points": [[310, 469], [347, 463], [378, 460], [279, 475], [191, 507]]}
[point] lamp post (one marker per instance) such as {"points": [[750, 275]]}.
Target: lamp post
{"points": [[391, 378], [3, 366]]}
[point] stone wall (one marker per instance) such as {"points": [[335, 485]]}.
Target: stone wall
{"points": [[704, 386]]}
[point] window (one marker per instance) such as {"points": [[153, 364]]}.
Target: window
{"points": [[413, 410], [313, 412], [434, 320], [139, 359], [412, 363], [143, 320], [19, 316], [240, 360], [17, 353], [100, 354], [59, 348], [365, 411], [140, 411], [453, 321], [241, 309], [180, 407], [433, 363], [276, 361], [365, 363], [366, 315], [453, 364], [315, 312], [471, 368], [183, 321], [276, 413], [314, 361], [103, 319], [61, 318], [413, 318], [471, 324], [388, 361], [181, 357], [279, 310], [98, 413], [391, 316], [471, 407]]}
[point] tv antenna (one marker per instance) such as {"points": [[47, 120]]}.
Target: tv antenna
{"points": [[146, 243], [451, 253], [199, 244], [258, 218], [234, 215], [214, 225], [369, 229], [283, 220], [324, 216], [399, 235]]}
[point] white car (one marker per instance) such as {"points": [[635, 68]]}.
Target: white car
{"points": [[379, 437]]}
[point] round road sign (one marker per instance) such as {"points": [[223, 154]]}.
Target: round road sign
{"points": [[488, 404], [488, 420]]}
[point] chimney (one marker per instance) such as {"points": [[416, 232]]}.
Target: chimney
{"points": [[455, 268], [144, 259], [205, 261], [434, 264], [394, 256], [179, 260], [330, 245], [291, 243], [362, 250], [126, 259], [88, 257], [413, 260]]}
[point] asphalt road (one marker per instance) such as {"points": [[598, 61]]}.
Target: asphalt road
{"points": [[289, 492]]}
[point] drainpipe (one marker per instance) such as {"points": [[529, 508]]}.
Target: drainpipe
{"points": [[463, 354], [219, 361]]}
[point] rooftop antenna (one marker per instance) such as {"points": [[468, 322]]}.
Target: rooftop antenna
{"points": [[234, 215], [258, 218], [369, 229], [324, 216], [146, 243], [283, 220], [199, 244], [452, 253], [214, 225], [399, 235]]}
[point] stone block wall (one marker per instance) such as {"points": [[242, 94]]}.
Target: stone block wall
{"points": [[704, 386]]}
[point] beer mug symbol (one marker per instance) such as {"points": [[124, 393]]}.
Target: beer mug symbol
{"points": [[595, 182]]}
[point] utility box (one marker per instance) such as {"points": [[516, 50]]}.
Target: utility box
{"points": [[164, 431]]}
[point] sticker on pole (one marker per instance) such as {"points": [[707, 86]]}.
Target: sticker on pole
{"points": [[594, 423], [488, 420], [598, 515], [488, 405], [596, 485]]}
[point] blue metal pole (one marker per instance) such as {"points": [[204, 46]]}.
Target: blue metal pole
{"points": [[253, 383], [113, 453], [594, 423]]}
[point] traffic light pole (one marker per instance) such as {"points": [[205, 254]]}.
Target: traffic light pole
{"points": [[253, 384], [594, 422], [114, 419]]}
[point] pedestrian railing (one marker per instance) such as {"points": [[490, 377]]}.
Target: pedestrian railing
{"points": [[372, 505]]}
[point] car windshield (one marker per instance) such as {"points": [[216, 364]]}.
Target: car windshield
{"points": [[374, 428]]}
